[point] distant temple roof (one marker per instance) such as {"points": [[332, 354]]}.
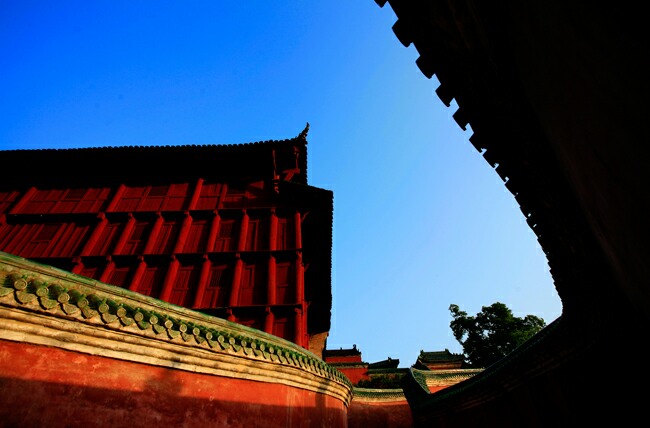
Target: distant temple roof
{"points": [[438, 360], [385, 364], [347, 352], [439, 356]]}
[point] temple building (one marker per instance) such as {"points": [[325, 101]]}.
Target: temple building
{"points": [[185, 285], [232, 231], [347, 361], [438, 369], [361, 373], [439, 360], [378, 396], [555, 95]]}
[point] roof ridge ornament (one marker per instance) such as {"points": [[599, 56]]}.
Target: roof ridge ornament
{"points": [[303, 134]]}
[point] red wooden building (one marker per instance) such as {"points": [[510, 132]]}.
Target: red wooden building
{"points": [[347, 361], [234, 231], [439, 360]]}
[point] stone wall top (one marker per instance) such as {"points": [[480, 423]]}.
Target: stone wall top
{"points": [[44, 305]]}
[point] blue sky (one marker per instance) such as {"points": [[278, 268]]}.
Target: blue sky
{"points": [[420, 218]]}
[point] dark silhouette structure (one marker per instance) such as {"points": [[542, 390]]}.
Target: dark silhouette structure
{"points": [[555, 93], [232, 231]]}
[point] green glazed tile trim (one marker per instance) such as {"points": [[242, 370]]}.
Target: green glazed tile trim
{"points": [[371, 394], [445, 375], [420, 378], [47, 290]]}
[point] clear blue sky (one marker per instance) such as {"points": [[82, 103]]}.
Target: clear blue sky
{"points": [[420, 219]]}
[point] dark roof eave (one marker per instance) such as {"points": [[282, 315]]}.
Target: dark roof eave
{"points": [[102, 164]]}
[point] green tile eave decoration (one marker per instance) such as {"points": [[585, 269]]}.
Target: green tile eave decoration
{"points": [[420, 378], [453, 374], [52, 292], [377, 395]]}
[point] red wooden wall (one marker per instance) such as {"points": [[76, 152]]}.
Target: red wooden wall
{"points": [[231, 251]]}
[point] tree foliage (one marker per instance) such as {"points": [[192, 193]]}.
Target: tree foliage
{"points": [[492, 334]]}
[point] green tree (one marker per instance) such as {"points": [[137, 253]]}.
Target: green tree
{"points": [[492, 334]]}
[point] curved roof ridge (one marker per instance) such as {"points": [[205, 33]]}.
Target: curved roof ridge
{"points": [[301, 136]]}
